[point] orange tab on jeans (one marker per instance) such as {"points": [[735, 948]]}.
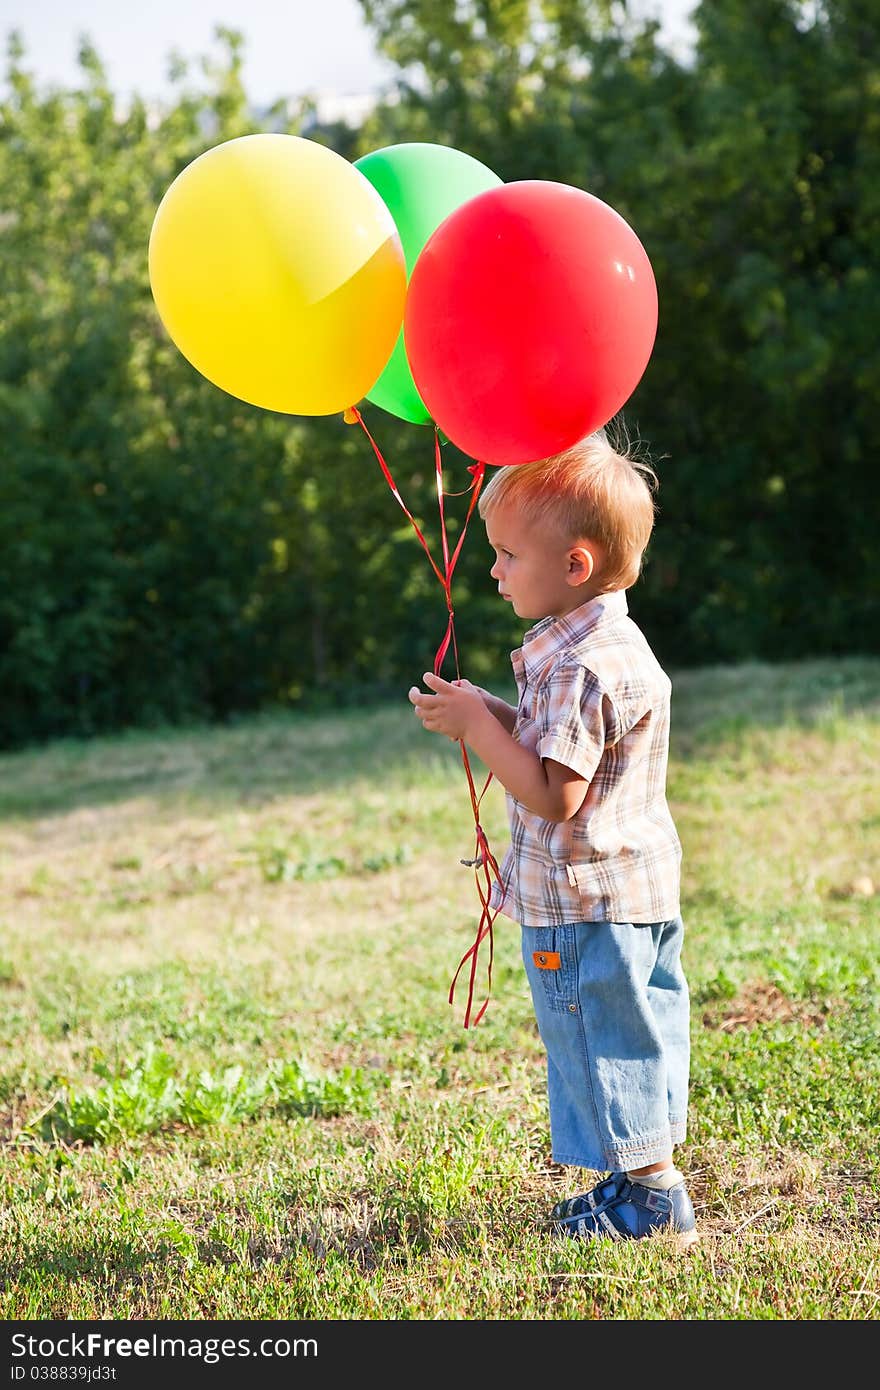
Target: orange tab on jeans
{"points": [[546, 960]]}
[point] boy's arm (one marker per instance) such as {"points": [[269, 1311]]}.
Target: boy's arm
{"points": [[547, 787]]}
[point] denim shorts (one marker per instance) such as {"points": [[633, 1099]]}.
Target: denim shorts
{"points": [[612, 1007]]}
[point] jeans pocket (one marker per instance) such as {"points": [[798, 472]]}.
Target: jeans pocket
{"points": [[551, 964]]}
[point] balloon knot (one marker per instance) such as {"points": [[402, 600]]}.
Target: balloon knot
{"points": [[351, 415]]}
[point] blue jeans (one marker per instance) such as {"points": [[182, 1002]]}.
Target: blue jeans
{"points": [[613, 1011]]}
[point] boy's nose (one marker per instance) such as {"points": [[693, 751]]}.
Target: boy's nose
{"points": [[494, 571]]}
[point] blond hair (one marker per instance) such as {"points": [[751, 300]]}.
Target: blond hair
{"points": [[591, 491]]}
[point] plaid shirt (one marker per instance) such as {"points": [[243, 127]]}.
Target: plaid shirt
{"points": [[593, 697]]}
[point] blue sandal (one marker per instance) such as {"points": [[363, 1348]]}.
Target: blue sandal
{"points": [[626, 1210]]}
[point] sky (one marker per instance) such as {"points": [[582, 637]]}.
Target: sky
{"points": [[292, 47]]}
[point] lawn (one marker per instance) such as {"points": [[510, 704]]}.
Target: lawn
{"points": [[232, 1085]]}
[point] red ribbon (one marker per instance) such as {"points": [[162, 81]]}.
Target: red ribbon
{"points": [[484, 861]]}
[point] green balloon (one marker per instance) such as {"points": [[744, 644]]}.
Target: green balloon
{"points": [[421, 185]]}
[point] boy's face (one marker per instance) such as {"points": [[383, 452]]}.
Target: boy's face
{"points": [[541, 574]]}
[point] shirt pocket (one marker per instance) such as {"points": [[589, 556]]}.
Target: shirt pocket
{"points": [[592, 881], [614, 889], [525, 731], [551, 963]]}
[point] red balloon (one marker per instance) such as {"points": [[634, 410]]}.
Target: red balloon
{"points": [[530, 318]]}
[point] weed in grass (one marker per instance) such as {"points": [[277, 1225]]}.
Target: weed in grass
{"points": [[152, 1095], [278, 865]]}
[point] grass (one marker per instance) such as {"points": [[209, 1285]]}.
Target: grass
{"points": [[232, 1087]]}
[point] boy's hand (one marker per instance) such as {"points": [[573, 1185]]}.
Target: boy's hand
{"points": [[452, 710]]}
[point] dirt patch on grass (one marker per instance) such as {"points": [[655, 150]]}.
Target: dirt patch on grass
{"points": [[760, 1001]]}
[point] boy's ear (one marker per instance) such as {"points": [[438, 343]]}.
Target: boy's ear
{"points": [[581, 565]]}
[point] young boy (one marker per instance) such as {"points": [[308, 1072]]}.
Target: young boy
{"points": [[592, 872]]}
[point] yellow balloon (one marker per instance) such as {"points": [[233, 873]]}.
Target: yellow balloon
{"points": [[278, 271]]}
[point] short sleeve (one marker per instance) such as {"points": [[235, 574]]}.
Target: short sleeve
{"points": [[575, 718]]}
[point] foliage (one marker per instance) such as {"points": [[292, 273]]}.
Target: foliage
{"points": [[150, 1095], [168, 552]]}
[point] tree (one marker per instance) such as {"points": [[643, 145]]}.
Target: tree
{"points": [[169, 552]]}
